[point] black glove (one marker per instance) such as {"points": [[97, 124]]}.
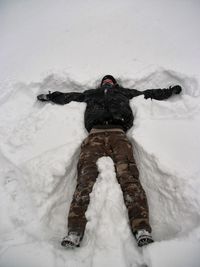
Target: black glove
{"points": [[43, 97], [176, 89], [148, 93]]}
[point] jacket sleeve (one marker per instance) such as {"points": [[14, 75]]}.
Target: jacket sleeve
{"points": [[130, 93], [161, 94], [64, 98], [158, 94]]}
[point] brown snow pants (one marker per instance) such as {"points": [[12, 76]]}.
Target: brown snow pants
{"points": [[113, 143]]}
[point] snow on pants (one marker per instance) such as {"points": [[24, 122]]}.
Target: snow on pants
{"points": [[113, 143]]}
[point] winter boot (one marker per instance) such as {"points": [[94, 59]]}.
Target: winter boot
{"points": [[72, 240], [143, 238]]}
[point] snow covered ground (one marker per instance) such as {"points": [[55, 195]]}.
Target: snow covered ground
{"points": [[68, 46]]}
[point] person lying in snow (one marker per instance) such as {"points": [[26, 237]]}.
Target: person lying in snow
{"points": [[108, 116]]}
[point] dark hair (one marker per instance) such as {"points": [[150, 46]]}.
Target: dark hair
{"points": [[109, 77]]}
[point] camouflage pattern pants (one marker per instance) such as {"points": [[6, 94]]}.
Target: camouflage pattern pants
{"points": [[113, 143]]}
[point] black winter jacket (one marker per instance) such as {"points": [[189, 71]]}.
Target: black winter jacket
{"points": [[109, 105]]}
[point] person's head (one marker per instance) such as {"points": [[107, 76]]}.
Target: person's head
{"points": [[108, 79]]}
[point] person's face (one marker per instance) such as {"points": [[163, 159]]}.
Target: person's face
{"points": [[107, 81]]}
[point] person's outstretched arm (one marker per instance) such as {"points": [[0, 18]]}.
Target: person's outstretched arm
{"points": [[61, 98], [161, 94], [158, 94]]}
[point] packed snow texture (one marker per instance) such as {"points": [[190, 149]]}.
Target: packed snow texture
{"points": [[40, 142]]}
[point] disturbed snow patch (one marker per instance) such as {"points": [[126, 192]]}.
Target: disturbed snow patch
{"points": [[40, 145]]}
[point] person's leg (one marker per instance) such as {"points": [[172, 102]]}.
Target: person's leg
{"points": [[128, 176], [91, 149]]}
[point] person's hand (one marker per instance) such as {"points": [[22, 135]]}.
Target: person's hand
{"points": [[176, 89], [43, 97]]}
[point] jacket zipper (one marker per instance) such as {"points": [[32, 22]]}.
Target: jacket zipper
{"points": [[106, 102], [106, 99]]}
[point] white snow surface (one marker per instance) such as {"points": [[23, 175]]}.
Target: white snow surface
{"points": [[68, 46]]}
